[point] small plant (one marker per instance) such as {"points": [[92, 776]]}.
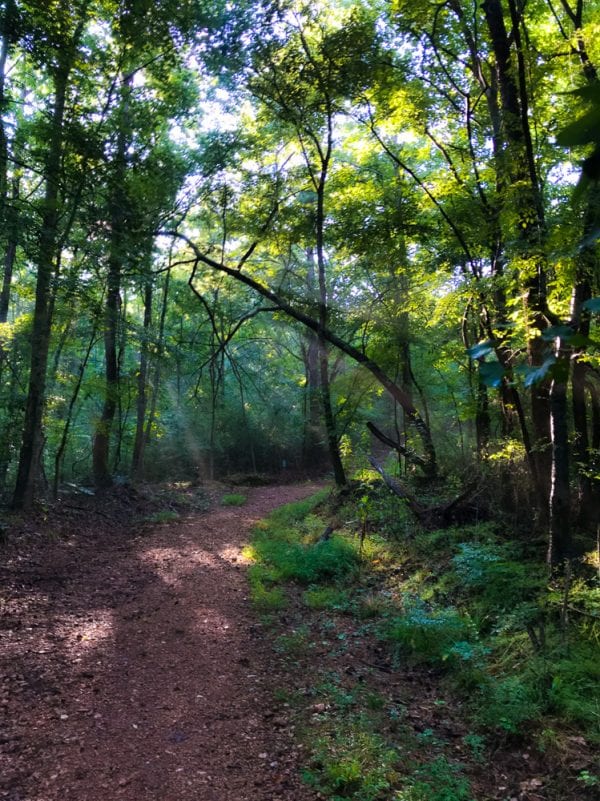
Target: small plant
{"points": [[476, 745], [372, 605], [326, 597], [352, 763], [429, 636], [295, 643], [498, 581], [330, 560], [438, 780], [233, 499], [268, 599], [588, 779], [507, 704], [265, 596]]}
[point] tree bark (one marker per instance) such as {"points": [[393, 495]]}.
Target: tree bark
{"points": [[523, 193], [29, 469], [137, 460], [560, 543], [118, 201]]}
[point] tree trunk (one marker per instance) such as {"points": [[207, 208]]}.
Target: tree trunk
{"points": [[560, 545], [118, 201], [312, 441], [137, 462], [60, 452], [29, 469], [159, 354], [328, 415], [358, 356], [523, 193]]}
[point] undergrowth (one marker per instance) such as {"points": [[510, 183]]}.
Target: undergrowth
{"points": [[462, 602], [233, 499]]}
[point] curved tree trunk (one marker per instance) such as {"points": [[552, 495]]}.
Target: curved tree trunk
{"points": [[358, 356]]}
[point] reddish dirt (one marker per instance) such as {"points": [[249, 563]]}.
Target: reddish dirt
{"points": [[134, 669]]}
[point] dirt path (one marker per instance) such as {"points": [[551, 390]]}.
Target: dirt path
{"points": [[136, 670]]}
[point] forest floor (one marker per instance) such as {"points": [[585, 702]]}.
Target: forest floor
{"points": [[133, 665]]}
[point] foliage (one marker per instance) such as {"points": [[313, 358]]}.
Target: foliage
{"points": [[327, 597], [438, 780], [429, 636], [334, 559], [501, 584], [352, 764], [233, 499], [265, 596], [506, 704]]}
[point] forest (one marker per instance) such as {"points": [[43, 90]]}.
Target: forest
{"points": [[344, 241]]}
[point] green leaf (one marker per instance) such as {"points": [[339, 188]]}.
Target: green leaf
{"points": [[591, 93], [307, 196], [593, 305], [562, 331], [481, 349], [534, 375], [582, 131], [491, 373], [581, 341]]}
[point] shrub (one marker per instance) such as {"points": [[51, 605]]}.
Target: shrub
{"points": [[268, 599], [506, 704], [430, 636], [264, 595], [234, 499], [573, 694], [331, 560], [499, 582], [352, 763], [327, 598]]}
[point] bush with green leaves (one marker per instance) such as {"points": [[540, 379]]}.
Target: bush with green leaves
{"points": [[233, 499], [327, 597], [573, 693], [496, 581], [331, 560], [426, 635], [506, 704], [290, 549], [266, 596]]}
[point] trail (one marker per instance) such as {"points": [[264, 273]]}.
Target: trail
{"points": [[135, 669]]}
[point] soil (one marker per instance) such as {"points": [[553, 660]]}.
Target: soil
{"points": [[134, 668], [133, 665]]}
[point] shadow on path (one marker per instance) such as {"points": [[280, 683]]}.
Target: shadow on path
{"points": [[139, 671]]}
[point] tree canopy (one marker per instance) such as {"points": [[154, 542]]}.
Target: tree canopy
{"points": [[254, 237]]}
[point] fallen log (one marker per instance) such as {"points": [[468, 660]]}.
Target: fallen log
{"points": [[430, 517]]}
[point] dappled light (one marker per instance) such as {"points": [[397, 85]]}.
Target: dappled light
{"points": [[250, 249], [160, 692]]}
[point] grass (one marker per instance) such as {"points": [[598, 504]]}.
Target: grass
{"points": [[233, 499], [460, 604], [288, 543], [325, 597]]}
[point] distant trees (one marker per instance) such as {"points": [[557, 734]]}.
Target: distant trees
{"points": [[397, 181]]}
